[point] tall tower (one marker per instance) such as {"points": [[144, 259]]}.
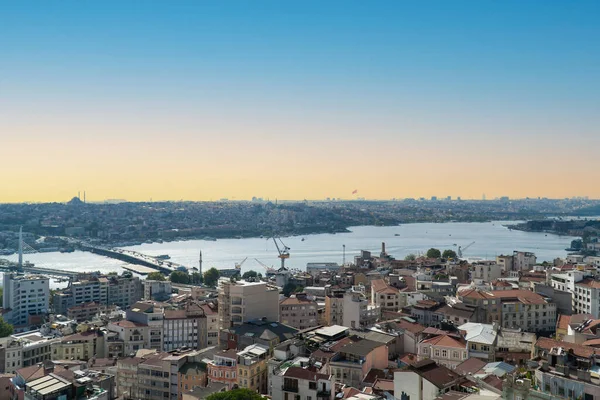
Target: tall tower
{"points": [[200, 263], [21, 247]]}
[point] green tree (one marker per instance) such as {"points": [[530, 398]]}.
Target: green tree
{"points": [[251, 275], [449, 254], [6, 329], [235, 394], [410, 257], [196, 278], [211, 277], [290, 288], [179, 277], [433, 253], [156, 276]]}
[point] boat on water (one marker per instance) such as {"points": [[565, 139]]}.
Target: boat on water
{"points": [[67, 249], [396, 234], [163, 257], [303, 239], [210, 238]]}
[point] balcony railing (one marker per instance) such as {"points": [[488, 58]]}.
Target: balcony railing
{"points": [[293, 389]]}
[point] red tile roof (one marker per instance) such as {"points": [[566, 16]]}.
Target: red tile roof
{"points": [[590, 283], [445, 341], [563, 321], [381, 286], [578, 349], [524, 296]]}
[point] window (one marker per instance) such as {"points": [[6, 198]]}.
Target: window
{"points": [[444, 353]]}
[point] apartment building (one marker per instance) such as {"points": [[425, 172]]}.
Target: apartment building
{"points": [[298, 311], [523, 260], [151, 320], [334, 307], [157, 290], [154, 376], [351, 364], [33, 346], [512, 308], [79, 346], [212, 323], [304, 383], [446, 349], [357, 310], [252, 368], [124, 290], [25, 299], [384, 296], [185, 328], [244, 301], [505, 262], [191, 375], [426, 380], [481, 340], [487, 272], [85, 311], [586, 297], [133, 335], [223, 368]]}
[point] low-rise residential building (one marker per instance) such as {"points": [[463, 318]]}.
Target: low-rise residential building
{"points": [[512, 308], [445, 349], [299, 311], [354, 360], [263, 332], [223, 368], [157, 290], [192, 374], [384, 296], [334, 307], [481, 340], [304, 383], [514, 346], [252, 368], [487, 272], [426, 380], [79, 346], [85, 311]]}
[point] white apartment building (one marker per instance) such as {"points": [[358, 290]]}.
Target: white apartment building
{"points": [[505, 263], [303, 384], [243, 301], [133, 335], [27, 298], [585, 291], [357, 311], [586, 297], [24, 349], [184, 328]]}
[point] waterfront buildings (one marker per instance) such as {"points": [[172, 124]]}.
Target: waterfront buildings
{"points": [[244, 301]]}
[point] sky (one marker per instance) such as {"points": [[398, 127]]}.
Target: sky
{"points": [[202, 100]]}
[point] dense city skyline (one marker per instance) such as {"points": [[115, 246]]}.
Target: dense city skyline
{"points": [[201, 101]]}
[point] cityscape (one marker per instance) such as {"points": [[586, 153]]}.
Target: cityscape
{"points": [[316, 200]]}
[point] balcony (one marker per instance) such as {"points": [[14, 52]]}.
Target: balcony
{"points": [[324, 394], [292, 389]]}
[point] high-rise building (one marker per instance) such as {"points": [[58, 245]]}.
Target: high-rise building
{"points": [[27, 297]]}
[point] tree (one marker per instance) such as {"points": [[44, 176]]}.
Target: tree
{"points": [[156, 276], [410, 257], [433, 253], [251, 275], [290, 288], [196, 278], [180, 277], [6, 329], [449, 254], [235, 394], [211, 277]]}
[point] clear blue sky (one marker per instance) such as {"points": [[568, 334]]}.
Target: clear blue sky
{"points": [[200, 83]]}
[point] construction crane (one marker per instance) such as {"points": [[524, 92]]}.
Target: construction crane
{"points": [[284, 251], [268, 269], [238, 266], [461, 249]]}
